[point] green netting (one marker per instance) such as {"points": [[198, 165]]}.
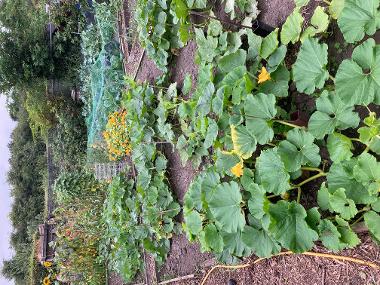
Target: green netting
{"points": [[104, 79]]}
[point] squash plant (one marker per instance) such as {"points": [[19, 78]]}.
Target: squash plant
{"points": [[139, 210], [248, 198]]}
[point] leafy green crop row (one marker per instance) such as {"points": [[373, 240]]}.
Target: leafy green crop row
{"points": [[249, 200], [256, 159], [139, 211]]}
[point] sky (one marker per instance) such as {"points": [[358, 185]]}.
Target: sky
{"points": [[6, 127]]}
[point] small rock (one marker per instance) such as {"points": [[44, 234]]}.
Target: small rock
{"points": [[232, 282]]}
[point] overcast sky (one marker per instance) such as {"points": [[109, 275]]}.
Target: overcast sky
{"points": [[6, 127]]}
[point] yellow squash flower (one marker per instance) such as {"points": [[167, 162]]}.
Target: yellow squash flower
{"points": [[264, 75], [47, 264], [237, 170], [46, 281]]}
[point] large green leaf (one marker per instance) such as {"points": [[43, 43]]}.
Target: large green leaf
{"points": [[226, 160], [244, 142], [341, 175], [234, 244], [299, 149], [336, 8], [309, 70], [292, 28], [339, 147], [258, 203], [289, 226], [330, 236], [260, 241], [279, 83], [367, 172], [259, 110], [358, 79], [269, 44], [271, 173], [331, 114], [230, 61], [193, 222], [301, 3], [276, 59], [225, 207], [340, 204], [323, 197], [348, 236], [358, 18], [318, 24], [372, 221], [213, 239], [207, 47], [212, 133]]}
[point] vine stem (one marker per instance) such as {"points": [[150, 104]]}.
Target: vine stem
{"points": [[288, 124], [332, 78], [307, 253], [312, 169], [327, 2], [220, 20], [321, 174], [357, 220], [299, 194], [356, 140], [168, 211]]}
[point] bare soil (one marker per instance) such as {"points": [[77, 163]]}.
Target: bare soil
{"points": [[184, 257]]}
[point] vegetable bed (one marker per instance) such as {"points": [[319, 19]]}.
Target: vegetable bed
{"points": [[278, 136]]}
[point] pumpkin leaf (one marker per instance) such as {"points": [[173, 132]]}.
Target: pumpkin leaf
{"points": [[359, 18], [292, 28], [289, 226], [225, 207], [336, 8], [358, 79], [271, 173], [269, 44], [259, 110], [339, 147], [372, 221], [319, 23], [309, 70], [331, 114], [299, 149], [244, 142]]}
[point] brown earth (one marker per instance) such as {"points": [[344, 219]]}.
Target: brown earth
{"points": [[185, 258]]}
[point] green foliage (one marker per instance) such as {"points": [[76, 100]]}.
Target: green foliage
{"points": [[319, 23], [68, 138], [357, 78], [79, 229], [27, 163], [162, 26], [292, 28], [358, 18], [70, 186], [139, 211], [101, 74], [23, 56], [309, 71], [137, 219], [331, 114], [40, 109], [244, 203]]}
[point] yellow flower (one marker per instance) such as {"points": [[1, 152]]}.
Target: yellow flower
{"points": [[237, 170], [264, 75], [47, 264], [46, 281]]}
